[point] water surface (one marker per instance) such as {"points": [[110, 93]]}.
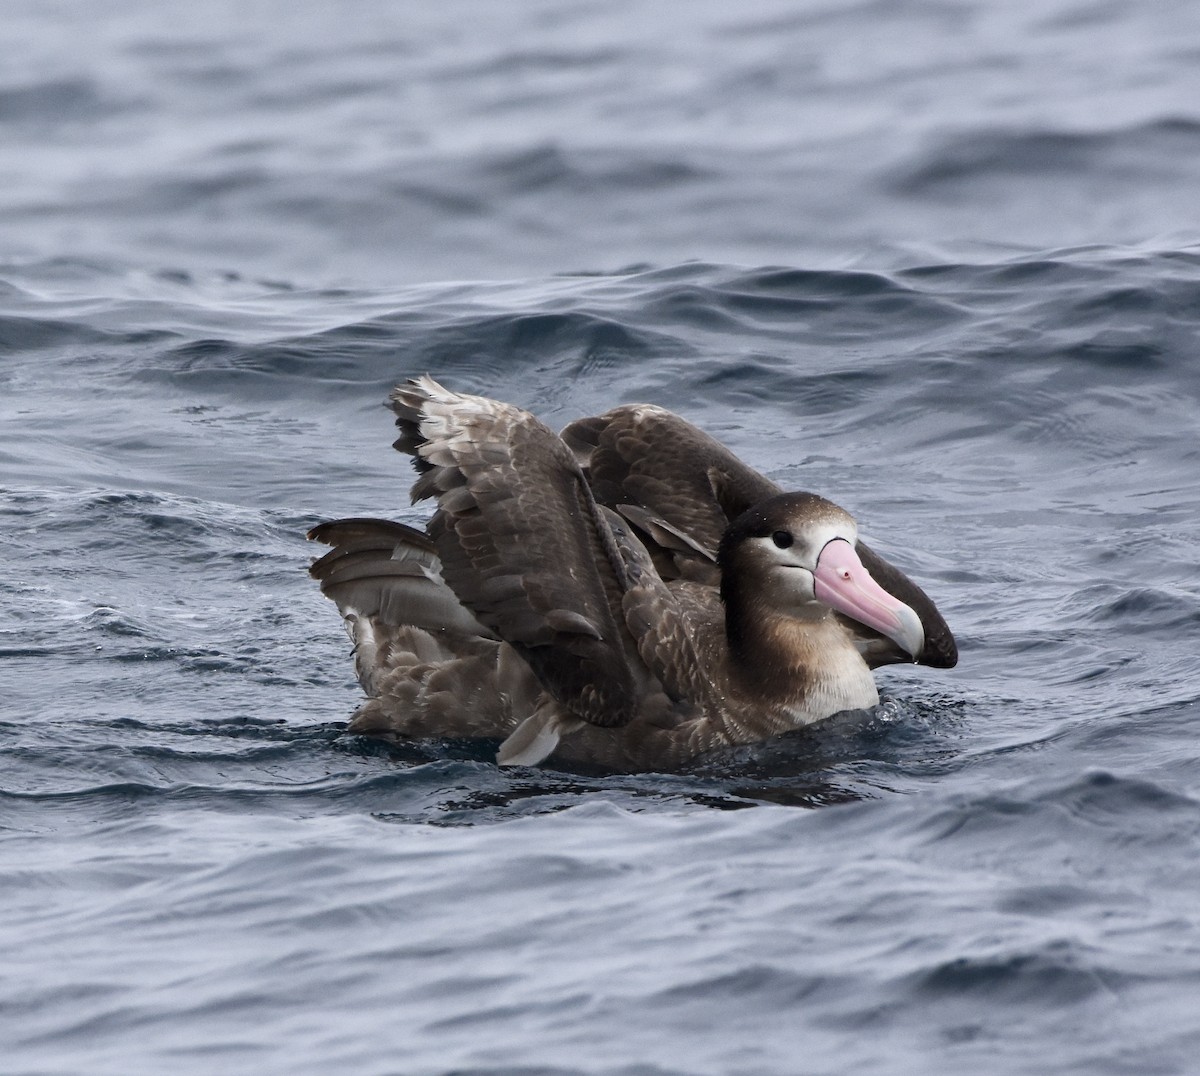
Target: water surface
{"points": [[938, 262]]}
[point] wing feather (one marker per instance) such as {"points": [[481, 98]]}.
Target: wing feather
{"points": [[684, 486], [522, 542], [681, 488], [384, 570]]}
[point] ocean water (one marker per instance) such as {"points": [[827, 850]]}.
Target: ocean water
{"points": [[938, 261]]}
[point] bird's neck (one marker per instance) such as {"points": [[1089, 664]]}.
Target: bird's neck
{"points": [[803, 663]]}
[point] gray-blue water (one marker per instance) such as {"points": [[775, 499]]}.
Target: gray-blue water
{"points": [[939, 261]]}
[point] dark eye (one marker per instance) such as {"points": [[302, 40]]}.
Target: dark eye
{"points": [[783, 539]]}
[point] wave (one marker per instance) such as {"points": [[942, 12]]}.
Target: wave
{"points": [[987, 156], [54, 102]]}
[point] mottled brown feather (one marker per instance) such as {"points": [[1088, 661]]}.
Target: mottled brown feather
{"points": [[522, 543]]}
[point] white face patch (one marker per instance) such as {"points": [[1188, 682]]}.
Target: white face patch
{"points": [[788, 558]]}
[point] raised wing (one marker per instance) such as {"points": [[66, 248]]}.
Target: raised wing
{"points": [[522, 543], [387, 570], [681, 488], [676, 484]]}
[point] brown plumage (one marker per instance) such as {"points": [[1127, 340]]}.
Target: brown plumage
{"points": [[628, 594]]}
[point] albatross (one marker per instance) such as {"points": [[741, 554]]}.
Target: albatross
{"points": [[627, 594]]}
